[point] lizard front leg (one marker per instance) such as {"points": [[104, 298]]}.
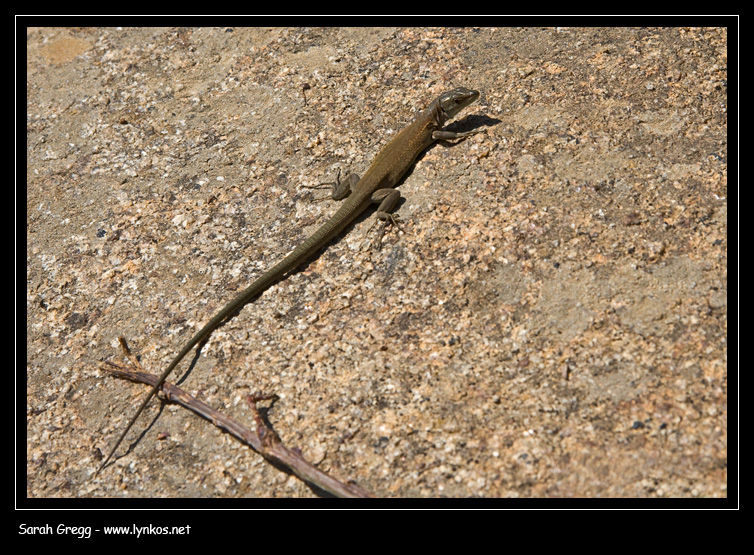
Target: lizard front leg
{"points": [[442, 135]]}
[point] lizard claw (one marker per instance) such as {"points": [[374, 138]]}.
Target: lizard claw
{"points": [[386, 219]]}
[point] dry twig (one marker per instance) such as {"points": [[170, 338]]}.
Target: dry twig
{"points": [[264, 440]]}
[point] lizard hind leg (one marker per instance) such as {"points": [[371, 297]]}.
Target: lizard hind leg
{"points": [[339, 189], [387, 198]]}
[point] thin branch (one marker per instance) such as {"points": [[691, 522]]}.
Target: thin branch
{"points": [[264, 440]]}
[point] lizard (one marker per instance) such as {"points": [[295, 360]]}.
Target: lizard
{"points": [[377, 186]]}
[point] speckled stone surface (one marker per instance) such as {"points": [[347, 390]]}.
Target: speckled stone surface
{"points": [[552, 321]]}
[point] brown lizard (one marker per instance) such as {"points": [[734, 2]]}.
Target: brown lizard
{"points": [[376, 186]]}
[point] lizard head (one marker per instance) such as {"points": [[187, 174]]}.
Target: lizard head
{"points": [[452, 102]]}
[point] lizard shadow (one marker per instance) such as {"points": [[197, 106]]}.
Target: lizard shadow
{"points": [[470, 123]]}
